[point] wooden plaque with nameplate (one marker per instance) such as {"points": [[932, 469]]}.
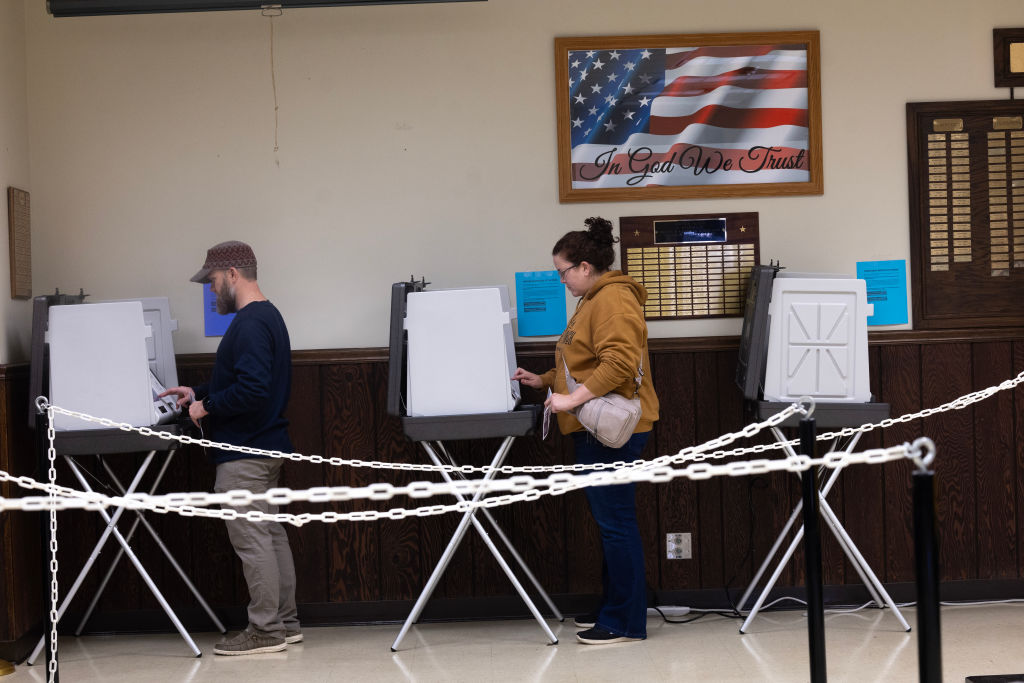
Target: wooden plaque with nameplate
{"points": [[19, 232], [966, 167], [694, 265]]}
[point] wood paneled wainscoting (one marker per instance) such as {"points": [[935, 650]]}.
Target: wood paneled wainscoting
{"points": [[373, 571]]}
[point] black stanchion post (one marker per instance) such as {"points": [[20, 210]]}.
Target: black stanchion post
{"points": [[926, 559], [812, 555], [43, 474]]}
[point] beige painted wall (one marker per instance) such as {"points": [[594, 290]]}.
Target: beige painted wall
{"points": [[15, 315], [420, 139]]}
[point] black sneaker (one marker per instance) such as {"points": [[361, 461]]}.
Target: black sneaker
{"points": [[586, 620], [598, 636]]}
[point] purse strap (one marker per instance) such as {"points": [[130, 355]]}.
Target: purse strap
{"points": [[571, 384]]}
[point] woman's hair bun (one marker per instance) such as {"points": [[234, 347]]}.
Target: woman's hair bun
{"points": [[600, 230], [595, 245]]}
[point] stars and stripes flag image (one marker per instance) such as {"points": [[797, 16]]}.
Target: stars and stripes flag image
{"points": [[688, 116]]}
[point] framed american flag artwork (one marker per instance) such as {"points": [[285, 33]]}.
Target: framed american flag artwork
{"points": [[689, 115]]}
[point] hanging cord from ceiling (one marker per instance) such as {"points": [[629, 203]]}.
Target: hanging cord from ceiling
{"points": [[271, 11]]}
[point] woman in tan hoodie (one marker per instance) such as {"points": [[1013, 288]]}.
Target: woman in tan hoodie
{"points": [[604, 345]]}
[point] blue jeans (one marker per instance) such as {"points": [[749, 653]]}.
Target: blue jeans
{"points": [[624, 603]]}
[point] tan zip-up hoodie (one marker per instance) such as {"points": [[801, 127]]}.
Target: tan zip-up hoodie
{"points": [[603, 344]]}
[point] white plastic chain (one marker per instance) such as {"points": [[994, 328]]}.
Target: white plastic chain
{"points": [[74, 498], [29, 483], [51, 454], [686, 454], [192, 504], [956, 404], [520, 488], [697, 453]]}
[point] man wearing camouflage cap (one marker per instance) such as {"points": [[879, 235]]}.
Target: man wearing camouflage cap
{"points": [[243, 405]]}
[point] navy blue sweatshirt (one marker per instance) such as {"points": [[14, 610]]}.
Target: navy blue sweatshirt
{"points": [[251, 381]]}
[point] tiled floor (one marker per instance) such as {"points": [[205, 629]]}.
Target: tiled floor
{"points": [[865, 646]]}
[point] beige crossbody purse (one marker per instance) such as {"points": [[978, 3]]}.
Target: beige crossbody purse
{"points": [[610, 418]]}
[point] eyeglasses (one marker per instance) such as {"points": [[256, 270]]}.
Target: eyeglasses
{"points": [[563, 271]]}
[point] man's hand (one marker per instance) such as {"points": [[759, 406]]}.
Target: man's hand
{"points": [[184, 394], [196, 411]]}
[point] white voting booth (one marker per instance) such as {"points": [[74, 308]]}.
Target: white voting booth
{"points": [[451, 361], [461, 352], [805, 335], [99, 363], [818, 343], [110, 359]]}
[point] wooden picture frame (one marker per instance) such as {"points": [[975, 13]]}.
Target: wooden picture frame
{"points": [[688, 116], [1008, 57]]}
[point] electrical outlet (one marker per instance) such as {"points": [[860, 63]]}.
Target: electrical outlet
{"points": [[678, 546]]}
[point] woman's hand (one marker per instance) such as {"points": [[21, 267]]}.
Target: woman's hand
{"points": [[528, 378], [559, 403]]}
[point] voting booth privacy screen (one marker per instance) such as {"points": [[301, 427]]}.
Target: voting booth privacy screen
{"points": [[754, 337], [804, 334], [451, 359], [461, 354], [818, 339], [111, 359]]}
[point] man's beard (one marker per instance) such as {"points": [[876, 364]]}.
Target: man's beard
{"points": [[226, 300]]}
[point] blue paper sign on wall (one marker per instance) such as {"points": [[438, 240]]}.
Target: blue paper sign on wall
{"points": [[540, 303], [887, 290], [215, 324]]}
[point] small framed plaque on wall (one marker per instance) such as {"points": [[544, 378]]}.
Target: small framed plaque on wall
{"points": [[1008, 57], [20, 234]]}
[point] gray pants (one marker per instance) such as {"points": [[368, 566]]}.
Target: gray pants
{"points": [[262, 547]]}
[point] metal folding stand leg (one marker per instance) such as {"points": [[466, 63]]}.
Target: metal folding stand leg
{"points": [[859, 564], [508, 545], [139, 517], [111, 529], [470, 518], [782, 537], [878, 593]]}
